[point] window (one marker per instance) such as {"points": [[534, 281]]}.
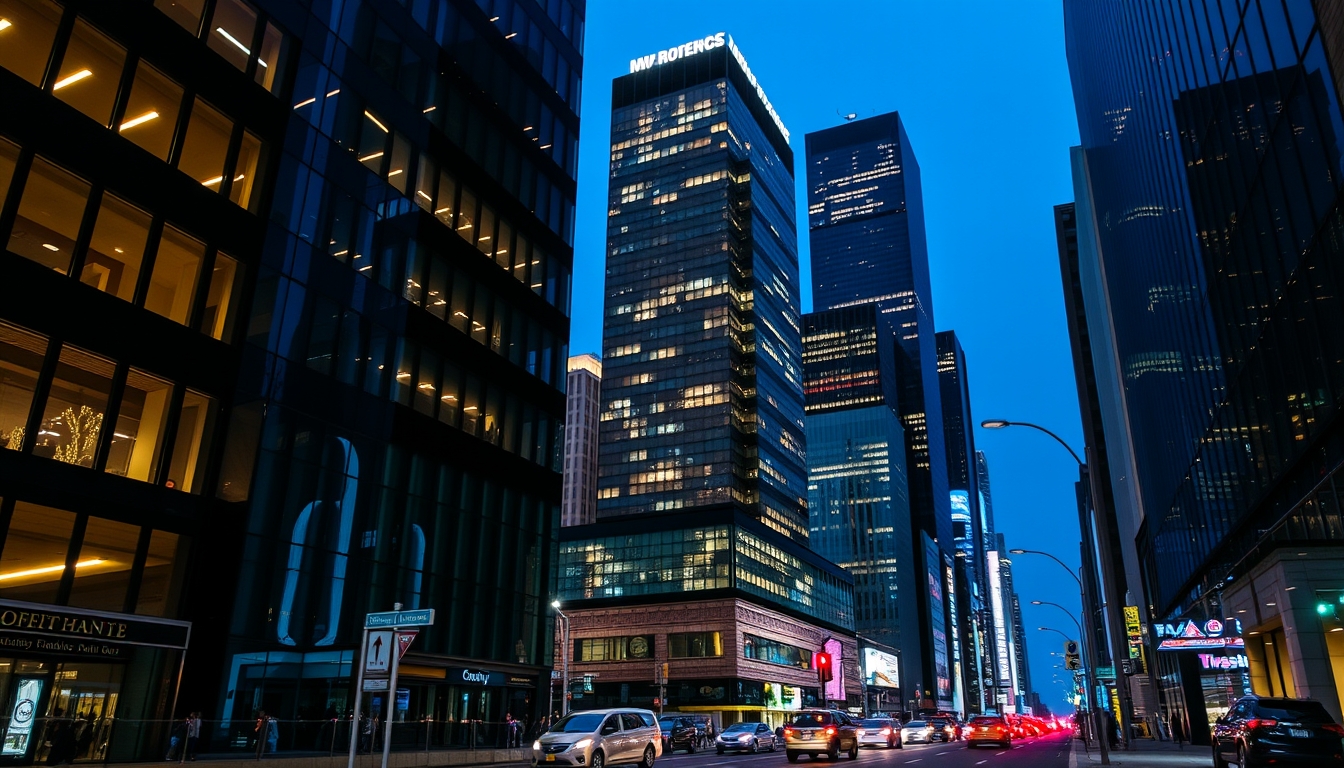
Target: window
{"points": [[217, 322], [21, 356], [172, 285], [151, 113], [29, 28], [694, 645], [73, 417], [34, 557], [160, 580], [117, 248], [231, 32], [614, 648], [49, 216], [90, 73], [246, 172], [271, 60], [137, 439], [187, 13], [206, 145], [103, 568], [190, 449], [774, 652], [9, 156]]}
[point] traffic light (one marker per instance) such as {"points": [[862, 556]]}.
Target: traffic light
{"points": [[825, 670], [1071, 658], [664, 678]]}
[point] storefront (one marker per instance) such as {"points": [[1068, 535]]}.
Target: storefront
{"points": [[1202, 670], [724, 701], [450, 707], [100, 685]]}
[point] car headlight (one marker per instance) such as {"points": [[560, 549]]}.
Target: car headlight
{"points": [[582, 744], [744, 737], [536, 745]]}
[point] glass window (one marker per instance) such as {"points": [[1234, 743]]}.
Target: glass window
{"points": [[426, 388], [49, 216], [73, 417], [401, 160], [372, 142], [36, 548], [90, 73], [471, 405], [271, 59], [217, 321], [166, 559], [245, 173], [450, 394], [21, 356], [103, 569], [774, 652], [425, 176], [136, 441], [27, 29], [185, 12], [206, 145], [231, 30], [694, 645], [117, 248], [9, 156], [151, 113], [468, 215], [446, 199], [172, 286], [485, 234], [614, 648], [190, 449]]}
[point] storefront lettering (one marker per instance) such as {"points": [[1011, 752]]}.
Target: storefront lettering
{"points": [[1210, 661], [475, 677], [57, 623]]}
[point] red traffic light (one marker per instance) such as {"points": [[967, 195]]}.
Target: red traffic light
{"points": [[824, 664]]}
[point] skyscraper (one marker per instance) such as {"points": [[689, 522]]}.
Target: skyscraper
{"points": [[699, 556], [583, 401], [1210, 273], [866, 227], [998, 669]]}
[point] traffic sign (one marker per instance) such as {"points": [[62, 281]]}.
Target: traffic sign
{"points": [[1106, 673], [378, 652], [404, 640], [376, 684], [423, 617]]}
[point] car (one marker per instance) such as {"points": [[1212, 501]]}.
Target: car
{"points": [[989, 729], [678, 733], [1260, 730], [821, 732], [600, 737], [880, 732], [943, 729], [745, 737], [916, 732]]}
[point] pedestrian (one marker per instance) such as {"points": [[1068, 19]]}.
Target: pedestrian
{"points": [[259, 732], [272, 734], [177, 741], [1177, 731], [1112, 730], [62, 744], [193, 737]]}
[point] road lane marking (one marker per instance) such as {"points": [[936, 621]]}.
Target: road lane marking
{"points": [[1004, 752]]}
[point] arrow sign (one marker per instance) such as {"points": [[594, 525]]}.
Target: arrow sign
{"points": [[378, 652], [404, 640]]}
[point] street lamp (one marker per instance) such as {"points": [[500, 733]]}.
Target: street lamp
{"points": [[564, 657], [1066, 611]]}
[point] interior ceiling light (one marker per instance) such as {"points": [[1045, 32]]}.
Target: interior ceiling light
{"points": [[4, 24], [50, 247], [141, 120], [48, 569], [72, 79]]}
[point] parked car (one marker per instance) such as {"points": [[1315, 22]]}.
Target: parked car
{"points": [[678, 733], [601, 737], [821, 732], [943, 729], [1259, 730], [989, 729], [880, 732], [745, 737], [916, 732]]}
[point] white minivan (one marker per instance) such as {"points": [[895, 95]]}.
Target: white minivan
{"points": [[597, 738]]}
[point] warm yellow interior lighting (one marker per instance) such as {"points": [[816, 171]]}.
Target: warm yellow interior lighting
{"points": [[72, 79], [145, 118], [4, 24], [48, 569]]}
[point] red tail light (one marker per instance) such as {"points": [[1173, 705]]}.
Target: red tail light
{"points": [[830, 730], [1334, 728], [788, 731], [886, 730], [1254, 723]]}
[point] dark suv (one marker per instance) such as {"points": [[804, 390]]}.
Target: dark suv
{"points": [[678, 733], [1259, 730]]}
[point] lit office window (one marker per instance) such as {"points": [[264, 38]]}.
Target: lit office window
{"points": [[231, 31], [117, 248], [109, 550], [36, 546], [217, 322], [141, 420], [187, 13], [158, 587], [27, 30], [90, 73], [9, 157], [172, 286], [271, 59], [49, 216], [72, 420], [190, 449], [246, 172], [21, 354], [151, 113], [206, 145]]}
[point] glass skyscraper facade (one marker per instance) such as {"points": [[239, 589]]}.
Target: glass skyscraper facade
{"points": [[312, 262], [1211, 165]]}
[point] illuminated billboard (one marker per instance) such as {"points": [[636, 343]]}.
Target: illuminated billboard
{"points": [[880, 668]]}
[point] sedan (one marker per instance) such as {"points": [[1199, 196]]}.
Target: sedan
{"points": [[1258, 731], [916, 732], [745, 737], [988, 729], [880, 732]]}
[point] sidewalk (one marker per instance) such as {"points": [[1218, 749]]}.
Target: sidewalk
{"points": [[456, 758], [1146, 754]]}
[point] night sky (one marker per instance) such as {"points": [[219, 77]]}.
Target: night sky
{"points": [[983, 90]]}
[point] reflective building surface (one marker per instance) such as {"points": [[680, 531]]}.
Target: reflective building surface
{"points": [[583, 401]]}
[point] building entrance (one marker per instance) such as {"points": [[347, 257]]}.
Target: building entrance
{"points": [[57, 711]]}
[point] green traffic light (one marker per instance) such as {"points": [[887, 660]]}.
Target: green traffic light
{"points": [[1322, 608]]}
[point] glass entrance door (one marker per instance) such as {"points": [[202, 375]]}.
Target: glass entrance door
{"points": [[80, 710]]}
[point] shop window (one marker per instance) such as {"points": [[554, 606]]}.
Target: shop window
{"points": [[192, 446], [49, 216], [159, 582], [172, 285], [245, 174], [116, 249], [271, 60], [21, 355], [36, 547], [73, 417], [186, 13], [27, 29], [138, 437], [108, 549], [206, 145], [90, 73], [231, 31], [151, 112], [217, 322]]}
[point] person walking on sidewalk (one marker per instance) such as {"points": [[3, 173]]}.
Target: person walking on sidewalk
{"points": [[193, 737], [260, 730], [1177, 731]]}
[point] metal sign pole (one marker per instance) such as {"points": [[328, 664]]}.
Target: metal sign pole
{"points": [[359, 696], [391, 693]]}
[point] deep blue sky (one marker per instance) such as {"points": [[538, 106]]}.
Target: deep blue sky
{"points": [[984, 93]]}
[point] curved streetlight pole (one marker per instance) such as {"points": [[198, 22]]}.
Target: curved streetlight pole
{"points": [[564, 657], [1066, 611]]}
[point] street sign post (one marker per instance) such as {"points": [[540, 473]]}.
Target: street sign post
{"points": [[389, 619], [379, 656], [377, 652]]}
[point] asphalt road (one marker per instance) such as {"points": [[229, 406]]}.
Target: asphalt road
{"points": [[1041, 752]]}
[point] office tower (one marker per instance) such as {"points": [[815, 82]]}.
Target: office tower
{"points": [[1213, 199], [583, 389], [857, 481], [997, 670], [699, 557], [1011, 612], [866, 227], [284, 327]]}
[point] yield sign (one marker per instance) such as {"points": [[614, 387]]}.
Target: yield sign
{"points": [[404, 640], [378, 652]]}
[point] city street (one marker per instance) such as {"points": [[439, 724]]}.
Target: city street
{"points": [[1042, 752]]}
